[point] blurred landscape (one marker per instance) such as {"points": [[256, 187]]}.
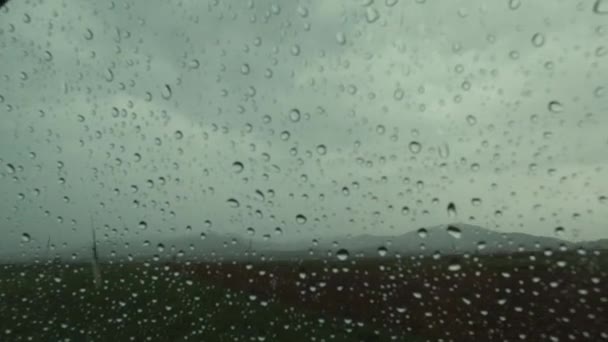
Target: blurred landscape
{"points": [[468, 283]]}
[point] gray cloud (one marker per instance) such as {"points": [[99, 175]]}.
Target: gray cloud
{"points": [[462, 76]]}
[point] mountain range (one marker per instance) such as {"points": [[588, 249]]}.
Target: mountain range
{"points": [[456, 238]]}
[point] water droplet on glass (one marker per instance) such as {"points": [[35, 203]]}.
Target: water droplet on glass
{"points": [[178, 135], [342, 254], [390, 3], [382, 251], [321, 150], [88, 34], [600, 7], [25, 237], [143, 225], [398, 94], [422, 233], [471, 120], [454, 231], [454, 267], [451, 210], [538, 39], [559, 231], [245, 69], [166, 92], [340, 38], [250, 231], [514, 4], [415, 147], [237, 167], [233, 203], [371, 14], [10, 168], [300, 219], [555, 107], [294, 115]]}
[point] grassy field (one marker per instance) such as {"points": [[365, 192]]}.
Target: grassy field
{"points": [[539, 297], [139, 302]]}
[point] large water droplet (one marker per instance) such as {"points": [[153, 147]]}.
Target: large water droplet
{"points": [[237, 167], [555, 106], [451, 210], [371, 14], [538, 39], [600, 7], [25, 237], [454, 231], [142, 225], [422, 233], [342, 254], [300, 219], [233, 203], [294, 115], [415, 147]]}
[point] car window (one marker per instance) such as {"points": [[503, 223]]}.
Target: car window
{"points": [[369, 170]]}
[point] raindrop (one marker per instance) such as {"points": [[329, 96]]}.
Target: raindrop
{"points": [[233, 203], [237, 167], [454, 231], [340, 38], [451, 210], [476, 202], [245, 69], [278, 231], [250, 231], [454, 266], [25, 237], [371, 14], [514, 4], [538, 39], [405, 210], [294, 115], [10, 168], [166, 92], [203, 236], [415, 147], [600, 7], [398, 94], [321, 149], [342, 254], [143, 225], [559, 231], [300, 219], [391, 3], [194, 64], [295, 50], [555, 107], [88, 35], [481, 245], [423, 233], [382, 251], [178, 135], [471, 120], [160, 247]]}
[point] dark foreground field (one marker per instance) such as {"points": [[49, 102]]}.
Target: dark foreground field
{"points": [[523, 297]]}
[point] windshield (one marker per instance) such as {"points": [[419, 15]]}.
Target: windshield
{"points": [[370, 170]]}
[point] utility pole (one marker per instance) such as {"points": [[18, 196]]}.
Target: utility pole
{"points": [[95, 261]]}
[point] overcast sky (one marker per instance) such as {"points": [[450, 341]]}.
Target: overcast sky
{"points": [[360, 116]]}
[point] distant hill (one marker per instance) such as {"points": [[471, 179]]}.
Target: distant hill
{"points": [[447, 239]]}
